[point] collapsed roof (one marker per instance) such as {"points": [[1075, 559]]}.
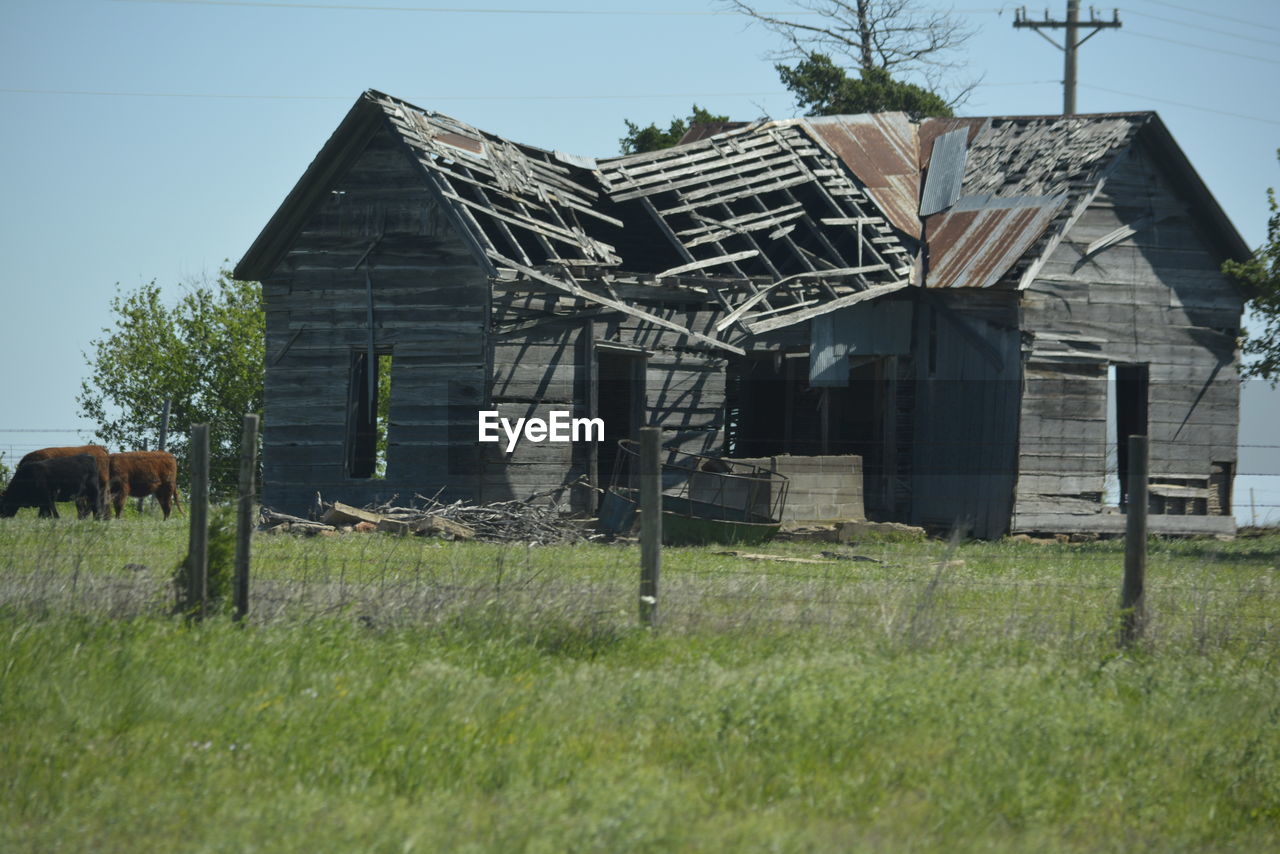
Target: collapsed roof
{"points": [[775, 222]]}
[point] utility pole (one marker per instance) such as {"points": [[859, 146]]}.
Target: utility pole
{"points": [[1072, 25]]}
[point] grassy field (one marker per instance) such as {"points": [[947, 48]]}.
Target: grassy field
{"points": [[406, 694]]}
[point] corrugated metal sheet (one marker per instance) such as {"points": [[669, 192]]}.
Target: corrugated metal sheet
{"points": [[868, 329], [931, 129], [881, 149], [946, 171], [974, 243]]}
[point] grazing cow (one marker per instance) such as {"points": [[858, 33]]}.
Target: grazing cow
{"points": [[99, 454], [142, 473], [43, 482]]}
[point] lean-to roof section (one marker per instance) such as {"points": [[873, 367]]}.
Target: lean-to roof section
{"points": [[979, 238]]}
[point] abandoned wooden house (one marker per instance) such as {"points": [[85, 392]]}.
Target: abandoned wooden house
{"points": [[978, 308]]}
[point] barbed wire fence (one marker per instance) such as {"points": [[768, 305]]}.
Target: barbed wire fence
{"points": [[1200, 594], [1256, 497]]}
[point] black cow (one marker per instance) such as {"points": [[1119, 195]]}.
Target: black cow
{"points": [[41, 483]]}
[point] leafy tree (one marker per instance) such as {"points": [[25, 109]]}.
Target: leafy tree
{"points": [[1260, 276], [652, 138], [204, 354], [824, 89], [898, 36]]}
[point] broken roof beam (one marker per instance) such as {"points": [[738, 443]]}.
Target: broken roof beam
{"points": [[639, 313], [719, 174], [746, 305], [503, 227], [761, 219], [831, 305], [641, 167], [464, 172], [750, 238], [671, 236], [466, 224], [585, 244], [708, 262], [745, 192]]}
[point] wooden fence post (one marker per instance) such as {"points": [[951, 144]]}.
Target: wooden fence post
{"points": [[198, 535], [244, 513], [142, 499], [650, 523], [164, 425], [1132, 595]]}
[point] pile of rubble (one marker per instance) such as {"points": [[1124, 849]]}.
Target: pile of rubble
{"points": [[501, 521]]}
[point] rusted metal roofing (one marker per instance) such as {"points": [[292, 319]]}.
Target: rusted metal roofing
{"points": [[931, 129], [975, 242], [881, 149]]}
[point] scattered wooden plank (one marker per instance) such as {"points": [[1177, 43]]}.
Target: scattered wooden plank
{"points": [[775, 558]]}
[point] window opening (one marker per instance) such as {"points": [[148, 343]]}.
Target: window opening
{"points": [[368, 415]]}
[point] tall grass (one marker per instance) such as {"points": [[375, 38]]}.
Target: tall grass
{"points": [[402, 694]]}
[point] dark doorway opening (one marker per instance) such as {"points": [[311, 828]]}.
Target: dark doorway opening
{"points": [[771, 409], [619, 402], [1131, 396]]}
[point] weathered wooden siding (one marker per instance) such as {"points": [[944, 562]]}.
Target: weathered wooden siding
{"points": [[429, 312], [1153, 297], [542, 368], [966, 394]]}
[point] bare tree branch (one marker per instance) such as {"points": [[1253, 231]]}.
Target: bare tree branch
{"points": [[899, 36]]}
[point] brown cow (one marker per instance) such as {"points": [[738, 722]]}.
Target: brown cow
{"points": [[142, 473], [100, 456]]}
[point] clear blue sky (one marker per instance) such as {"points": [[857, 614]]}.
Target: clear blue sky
{"points": [[152, 139]]}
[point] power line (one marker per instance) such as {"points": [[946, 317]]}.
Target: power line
{"points": [[12, 91], [1206, 47], [1070, 44], [243, 96], [451, 10], [1212, 14], [428, 98], [455, 10], [1204, 28], [1182, 104]]}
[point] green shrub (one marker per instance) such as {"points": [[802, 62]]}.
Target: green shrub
{"points": [[221, 565]]}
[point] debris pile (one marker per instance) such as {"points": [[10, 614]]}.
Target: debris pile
{"points": [[500, 521]]}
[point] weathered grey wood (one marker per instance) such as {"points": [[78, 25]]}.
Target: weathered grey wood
{"points": [[824, 308], [627, 309], [708, 262], [1132, 599], [245, 513], [650, 523]]}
